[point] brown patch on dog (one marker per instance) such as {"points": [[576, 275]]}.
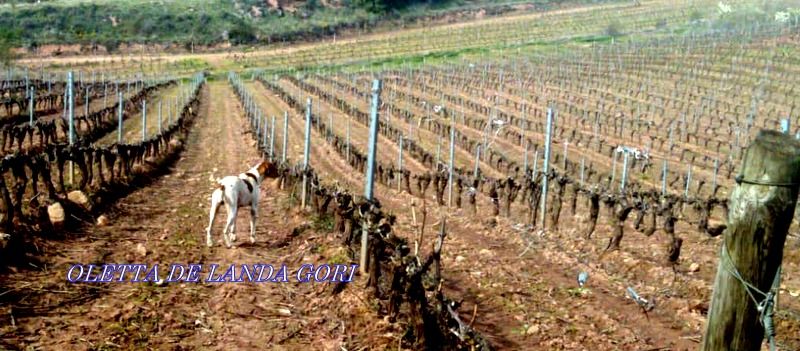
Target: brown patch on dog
{"points": [[267, 169]]}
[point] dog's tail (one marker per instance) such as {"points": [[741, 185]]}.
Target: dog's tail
{"points": [[220, 186]]}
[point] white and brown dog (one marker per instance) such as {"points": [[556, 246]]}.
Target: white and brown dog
{"points": [[235, 192]]}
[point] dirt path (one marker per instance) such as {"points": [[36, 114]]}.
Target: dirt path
{"points": [[163, 224]]}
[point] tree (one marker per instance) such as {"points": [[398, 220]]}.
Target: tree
{"points": [[242, 33], [9, 39]]}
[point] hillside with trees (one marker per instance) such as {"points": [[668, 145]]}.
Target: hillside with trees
{"points": [[107, 25]]}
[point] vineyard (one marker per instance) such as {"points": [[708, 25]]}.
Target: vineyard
{"points": [[586, 177]]}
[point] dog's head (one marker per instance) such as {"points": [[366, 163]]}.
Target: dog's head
{"points": [[267, 169]]}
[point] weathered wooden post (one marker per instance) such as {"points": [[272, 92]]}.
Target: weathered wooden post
{"points": [[306, 152], [761, 209], [370, 176]]}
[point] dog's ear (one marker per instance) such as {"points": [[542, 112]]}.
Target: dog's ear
{"points": [[262, 167], [267, 169]]}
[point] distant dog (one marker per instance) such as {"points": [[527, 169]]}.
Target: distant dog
{"points": [[235, 192]]}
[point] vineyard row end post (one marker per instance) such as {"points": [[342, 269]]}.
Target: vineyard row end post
{"points": [[761, 208], [370, 176]]}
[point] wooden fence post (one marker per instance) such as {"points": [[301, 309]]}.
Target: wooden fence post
{"points": [[761, 208]]}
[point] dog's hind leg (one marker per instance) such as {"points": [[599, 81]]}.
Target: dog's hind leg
{"points": [[229, 225], [253, 213], [216, 202]]}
